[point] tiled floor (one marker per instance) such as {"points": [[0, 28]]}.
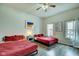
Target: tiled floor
{"points": [[57, 50]]}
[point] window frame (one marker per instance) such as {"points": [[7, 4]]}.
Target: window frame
{"points": [[51, 30], [70, 29]]}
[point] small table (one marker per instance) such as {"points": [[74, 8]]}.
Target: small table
{"points": [[30, 38]]}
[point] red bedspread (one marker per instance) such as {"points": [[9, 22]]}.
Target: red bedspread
{"points": [[17, 48], [47, 40]]}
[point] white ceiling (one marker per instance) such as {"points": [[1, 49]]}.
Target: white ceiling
{"points": [[31, 8]]}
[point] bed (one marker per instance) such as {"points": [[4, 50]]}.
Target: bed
{"points": [[17, 48], [46, 40]]}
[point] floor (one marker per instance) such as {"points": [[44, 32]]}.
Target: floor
{"points": [[57, 50]]}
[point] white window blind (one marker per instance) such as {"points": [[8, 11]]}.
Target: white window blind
{"points": [[50, 29], [70, 29]]}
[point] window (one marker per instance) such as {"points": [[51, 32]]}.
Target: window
{"points": [[70, 29], [50, 29]]}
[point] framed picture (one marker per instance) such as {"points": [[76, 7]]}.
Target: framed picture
{"points": [[58, 27], [28, 24]]}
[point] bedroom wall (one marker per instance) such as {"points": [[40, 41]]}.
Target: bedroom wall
{"points": [[12, 22], [67, 15]]}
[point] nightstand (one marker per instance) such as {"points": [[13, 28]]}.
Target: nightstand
{"points": [[30, 38]]}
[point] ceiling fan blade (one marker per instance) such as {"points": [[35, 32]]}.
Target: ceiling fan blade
{"points": [[38, 8], [52, 6]]}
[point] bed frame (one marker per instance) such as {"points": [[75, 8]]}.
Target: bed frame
{"points": [[44, 43], [33, 53]]}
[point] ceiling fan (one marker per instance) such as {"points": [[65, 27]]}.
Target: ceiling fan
{"points": [[45, 6]]}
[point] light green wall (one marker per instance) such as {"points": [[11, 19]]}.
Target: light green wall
{"points": [[64, 16], [13, 22], [67, 15]]}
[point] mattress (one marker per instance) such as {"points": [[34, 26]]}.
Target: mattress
{"points": [[17, 48], [47, 40]]}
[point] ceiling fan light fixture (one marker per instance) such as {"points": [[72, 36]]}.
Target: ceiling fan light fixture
{"points": [[45, 7]]}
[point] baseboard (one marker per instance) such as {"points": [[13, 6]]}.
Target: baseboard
{"points": [[69, 45]]}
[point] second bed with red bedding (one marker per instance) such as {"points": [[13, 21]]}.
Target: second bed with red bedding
{"points": [[47, 40]]}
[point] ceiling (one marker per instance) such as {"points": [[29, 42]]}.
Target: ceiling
{"points": [[31, 8]]}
